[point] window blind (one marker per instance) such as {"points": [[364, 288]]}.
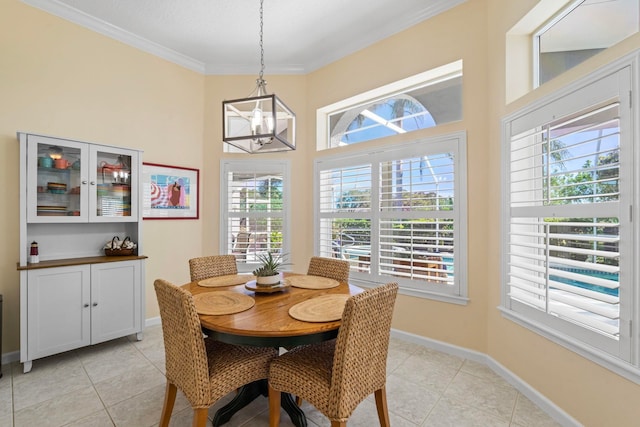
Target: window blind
{"points": [[564, 233]]}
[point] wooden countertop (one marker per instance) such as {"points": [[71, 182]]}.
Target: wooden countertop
{"points": [[78, 261]]}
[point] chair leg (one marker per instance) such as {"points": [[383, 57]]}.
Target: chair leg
{"points": [[381, 405], [338, 424], [274, 407], [298, 400], [200, 417], [167, 407]]}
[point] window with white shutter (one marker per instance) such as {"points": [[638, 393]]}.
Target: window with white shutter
{"points": [[568, 260], [254, 210], [398, 214]]}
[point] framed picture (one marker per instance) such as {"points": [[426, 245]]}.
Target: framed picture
{"points": [[170, 192]]}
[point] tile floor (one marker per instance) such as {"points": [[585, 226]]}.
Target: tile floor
{"points": [[121, 383]]}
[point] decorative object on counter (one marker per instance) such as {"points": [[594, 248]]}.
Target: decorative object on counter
{"points": [[312, 282], [117, 247], [226, 280], [61, 163], [56, 187], [45, 162], [325, 308], [268, 274], [34, 257], [252, 285]]}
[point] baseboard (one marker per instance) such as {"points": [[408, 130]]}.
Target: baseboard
{"points": [[152, 321], [10, 357], [529, 392]]}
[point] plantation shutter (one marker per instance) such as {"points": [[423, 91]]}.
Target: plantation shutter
{"points": [[568, 204], [393, 215], [417, 218], [254, 217]]}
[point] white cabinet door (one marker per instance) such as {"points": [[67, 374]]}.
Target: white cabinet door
{"points": [[56, 189], [113, 184], [116, 300], [58, 310]]}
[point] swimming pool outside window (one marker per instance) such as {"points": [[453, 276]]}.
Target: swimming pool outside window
{"points": [[568, 260]]}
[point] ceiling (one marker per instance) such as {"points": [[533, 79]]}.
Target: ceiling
{"points": [[222, 36]]}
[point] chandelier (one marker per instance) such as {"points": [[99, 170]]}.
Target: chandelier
{"points": [[260, 123]]}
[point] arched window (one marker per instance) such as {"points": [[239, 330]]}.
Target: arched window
{"points": [[421, 101], [398, 114]]}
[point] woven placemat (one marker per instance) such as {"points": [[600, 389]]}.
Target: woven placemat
{"points": [[325, 308], [312, 282], [229, 280], [222, 302]]}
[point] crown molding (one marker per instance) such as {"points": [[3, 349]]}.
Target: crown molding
{"points": [[68, 13], [63, 11]]}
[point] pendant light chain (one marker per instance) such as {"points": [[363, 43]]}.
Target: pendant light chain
{"points": [[261, 84], [261, 45]]}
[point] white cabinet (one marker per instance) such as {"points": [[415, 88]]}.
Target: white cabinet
{"points": [[74, 197], [74, 306]]}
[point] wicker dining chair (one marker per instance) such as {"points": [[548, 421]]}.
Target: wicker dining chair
{"points": [[205, 370], [336, 375], [332, 268], [212, 266]]}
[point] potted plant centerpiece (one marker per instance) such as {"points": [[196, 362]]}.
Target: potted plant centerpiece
{"points": [[268, 274]]}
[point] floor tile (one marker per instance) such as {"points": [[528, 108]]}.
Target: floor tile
{"points": [[495, 398], [144, 409], [121, 383], [450, 413], [124, 386], [97, 419], [527, 414], [60, 410], [411, 403], [49, 378]]}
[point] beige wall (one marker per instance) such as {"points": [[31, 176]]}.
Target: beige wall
{"points": [[60, 79]]}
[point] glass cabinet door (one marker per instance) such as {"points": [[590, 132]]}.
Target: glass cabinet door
{"points": [[56, 190], [70, 181], [115, 182]]}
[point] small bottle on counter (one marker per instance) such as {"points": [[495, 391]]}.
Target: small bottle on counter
{"points": [[33, 254]]}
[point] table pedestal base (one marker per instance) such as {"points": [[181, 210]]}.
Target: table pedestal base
{"points": [[250, 392]]}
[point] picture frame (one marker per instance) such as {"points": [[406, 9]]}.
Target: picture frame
{"points": [[170, 192]]}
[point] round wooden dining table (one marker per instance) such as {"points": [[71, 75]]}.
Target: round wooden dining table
{"points": [[268, 324]]}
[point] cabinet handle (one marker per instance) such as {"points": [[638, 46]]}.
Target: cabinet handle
{"points": [[84, 182], [93, 183], [94, 304], [86, 305]]}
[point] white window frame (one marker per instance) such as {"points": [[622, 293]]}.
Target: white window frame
{"points": [[452, 143], [432, 76], [255, 165], [618, 80], [563, 12]]}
